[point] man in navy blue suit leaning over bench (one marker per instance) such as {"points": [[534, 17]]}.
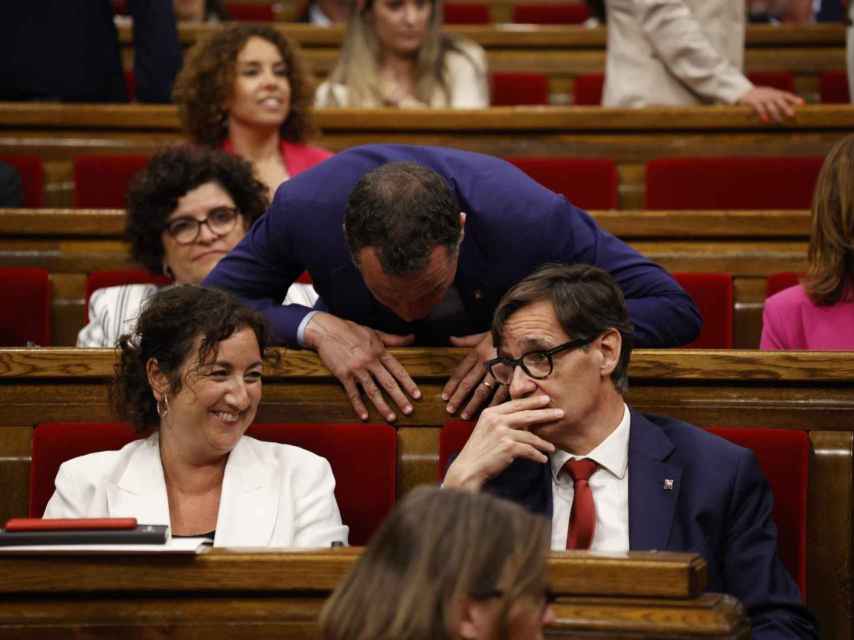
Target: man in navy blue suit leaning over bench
{"points": [[611, 479], [415, 245]]}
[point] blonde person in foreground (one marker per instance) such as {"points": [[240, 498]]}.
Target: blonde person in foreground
{"points": [[447, 565], [189, 379], [395, 55]]}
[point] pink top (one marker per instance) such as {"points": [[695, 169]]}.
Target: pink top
{"points": [[297, 157], [791, 321]]}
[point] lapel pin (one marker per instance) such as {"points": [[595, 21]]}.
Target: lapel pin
{"points": [[668, 484]]}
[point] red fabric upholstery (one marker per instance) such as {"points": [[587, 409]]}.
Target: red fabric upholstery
{"points": [[783, 80], [102, 181], [31, 170], [467, 13], [250, 11], [567, 13], [783, 456], [745, 182], [25, 298], [713, 295], [589, 183], [833, 87], [363, 459], [509, 89], [776, 282], [587, 89], [54, 443], [103, 279], [130, 84]]}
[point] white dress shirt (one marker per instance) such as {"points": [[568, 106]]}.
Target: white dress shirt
{"points": [[610, 487]]}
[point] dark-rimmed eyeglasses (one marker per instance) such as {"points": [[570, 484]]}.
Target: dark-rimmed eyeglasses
{"points": [[220, 221], [537, 364]]}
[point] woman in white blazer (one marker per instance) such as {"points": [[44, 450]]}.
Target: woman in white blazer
{"points": [[191, 375], [187, 209]]}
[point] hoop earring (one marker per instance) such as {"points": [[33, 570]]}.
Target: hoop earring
{"points": [[168, 272], [163, 407]]}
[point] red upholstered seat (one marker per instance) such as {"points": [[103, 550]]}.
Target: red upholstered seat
{"points": [[509, 89], [103, 279], [589, 183], [31, 170], [363, 459], [587, 89], [833, 87], [782, 80], [250, 11], [782, 454], [566, 13], [466, 13], [713, 295], [776, 282], [101, 182], [25, 298], [732, 182]]}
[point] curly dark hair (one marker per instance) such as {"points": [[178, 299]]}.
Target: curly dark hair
{"points": [[154, 193], [167, 330], [404, 210], [207, 78]]}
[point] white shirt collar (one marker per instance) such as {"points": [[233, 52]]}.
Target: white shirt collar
{"points": [[612, 454]]}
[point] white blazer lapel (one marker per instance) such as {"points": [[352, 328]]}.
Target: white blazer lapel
{"points": [[140, 491], [249, 504]]}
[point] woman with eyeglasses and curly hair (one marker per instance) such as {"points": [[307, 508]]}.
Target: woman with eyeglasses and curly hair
{"points": [[395, 55], [245, 90], [186, 210], [818, 314], [445, 565]]}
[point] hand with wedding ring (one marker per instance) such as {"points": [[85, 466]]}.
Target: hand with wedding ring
{"points": [[472, 379]]}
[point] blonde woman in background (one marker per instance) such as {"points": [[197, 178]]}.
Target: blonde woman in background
{"points": [[395, 55], [445, 565]]}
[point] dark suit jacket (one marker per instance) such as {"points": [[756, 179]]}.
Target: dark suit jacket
{"points": [[720, 507], [513, 225]]}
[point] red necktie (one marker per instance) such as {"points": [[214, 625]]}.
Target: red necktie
{"points": [[582, 519]]}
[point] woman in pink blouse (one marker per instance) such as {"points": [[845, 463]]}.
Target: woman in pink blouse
{"points": [[818, 314]]}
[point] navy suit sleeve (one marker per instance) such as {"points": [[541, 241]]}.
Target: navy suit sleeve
{"points": [[752, 571], [157, 52], [259, 271], [662, 313]]}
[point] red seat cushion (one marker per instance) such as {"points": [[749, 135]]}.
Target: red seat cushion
{"points": [[363, 459], [782, 454], [589, 183], [587, 89], [103, 279], [25, 300], [782, 80], [566, 13], [713, 295], [250, 11], [31, 170], [777, 282], [733, 182], [509, 89], [466, 13], [833, 87], [101, 182]]}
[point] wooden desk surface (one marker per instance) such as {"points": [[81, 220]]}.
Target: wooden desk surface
{"points": [[236, 594]]}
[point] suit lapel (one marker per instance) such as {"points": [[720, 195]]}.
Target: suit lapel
{"points": [[140, 491], [653, 485], [248, 507]]}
